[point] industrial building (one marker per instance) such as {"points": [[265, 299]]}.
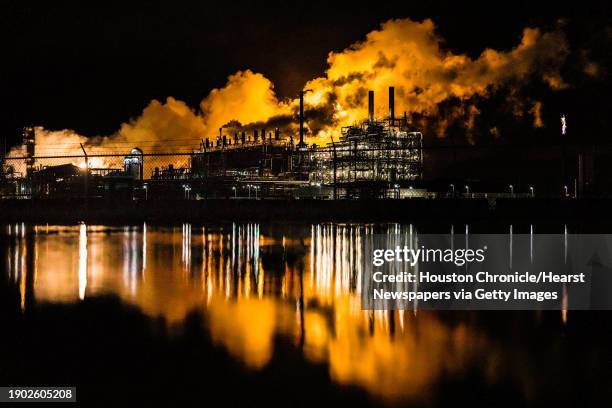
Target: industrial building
{"points": [[375, 158]]}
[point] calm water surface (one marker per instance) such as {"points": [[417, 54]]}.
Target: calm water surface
{"points": [[255, 284]]}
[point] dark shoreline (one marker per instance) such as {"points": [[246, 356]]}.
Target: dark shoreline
{"points": [[591, 213]]}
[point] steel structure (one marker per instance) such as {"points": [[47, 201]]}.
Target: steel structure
{"points": [[374, 152], [374, 158]]}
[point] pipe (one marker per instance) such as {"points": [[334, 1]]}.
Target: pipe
{"points": [[371, 106]]}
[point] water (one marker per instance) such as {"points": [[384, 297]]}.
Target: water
{"points": [[274, 305]]}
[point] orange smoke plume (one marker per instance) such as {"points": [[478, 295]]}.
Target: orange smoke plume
{"points": [[404, 53]]}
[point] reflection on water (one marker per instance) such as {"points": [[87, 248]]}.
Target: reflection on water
{"points": [[298, 282]]}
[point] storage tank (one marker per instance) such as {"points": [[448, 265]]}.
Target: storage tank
{"points": [[133, 163]]}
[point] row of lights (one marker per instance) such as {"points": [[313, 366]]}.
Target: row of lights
{"points": [[511, 187], [249, 186], [187, 189]]}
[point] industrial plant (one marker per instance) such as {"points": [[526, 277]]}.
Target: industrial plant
{"points": [[378, 158]]}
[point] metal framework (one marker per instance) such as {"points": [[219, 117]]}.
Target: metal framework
{"points": [[374, 152]]}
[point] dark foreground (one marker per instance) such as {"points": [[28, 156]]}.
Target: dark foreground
{"points": [[114, 354], [523, 210]]}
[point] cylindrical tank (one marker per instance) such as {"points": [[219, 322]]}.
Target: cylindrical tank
{"points": [[133, 164]]}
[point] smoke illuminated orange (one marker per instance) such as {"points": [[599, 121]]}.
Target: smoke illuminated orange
{"points": [[404, 53]]}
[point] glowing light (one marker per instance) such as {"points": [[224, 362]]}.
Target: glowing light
{"points": [[563, 125], [82, 260]]}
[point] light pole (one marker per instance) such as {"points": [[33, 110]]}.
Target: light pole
{"points": [[187, 190], [532, 191], [467, 190], [256, 189], [249, 187], [511, 190], [235, 193], [452, 186], [565, 191], [146, 192]]}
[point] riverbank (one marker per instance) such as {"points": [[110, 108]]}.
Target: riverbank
{"points": [[530, 210]]}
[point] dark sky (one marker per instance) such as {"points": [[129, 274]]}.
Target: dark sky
{"points": [[90, 66]]}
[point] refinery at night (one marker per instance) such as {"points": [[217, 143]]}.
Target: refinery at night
{"points": [[306, 204], [376, 158]]}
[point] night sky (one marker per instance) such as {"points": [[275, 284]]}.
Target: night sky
{"points": [[90, 67]]}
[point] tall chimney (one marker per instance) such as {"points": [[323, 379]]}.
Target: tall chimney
{"points": [[371, 106], [391, 105], [29, 141], [301, 143]]}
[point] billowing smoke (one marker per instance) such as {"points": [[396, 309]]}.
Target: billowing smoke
{"points": [[410, 56], [536, 112], [406, 54], [246, 98]]}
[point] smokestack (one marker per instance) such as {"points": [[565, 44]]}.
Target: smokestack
{"points": [[301, 143], [391, 104], [277, 134], [29, 140], [255, 135], [371, 106]]}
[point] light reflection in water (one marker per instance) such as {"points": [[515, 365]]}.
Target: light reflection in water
{"points": [[252, 286], [82, 260]]}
